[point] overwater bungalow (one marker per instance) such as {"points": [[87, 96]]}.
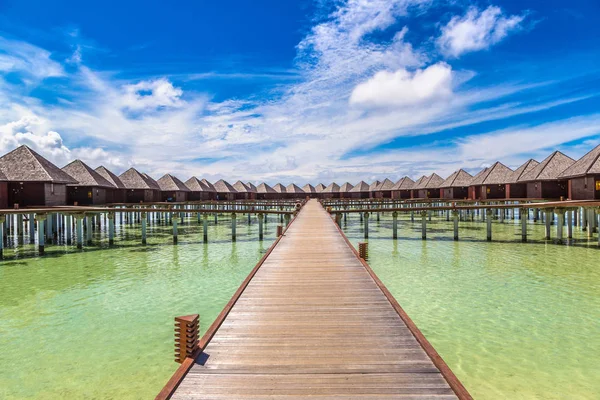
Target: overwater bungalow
{"points": [[91, 187], [414, 191], [266, 192], [428, 188], [373, 189], [344, 189], [490, 183], [294, 192], [402, 188], [384, 190], [319, 188], [359, 191], [309, 190], [456, 186], [244, 192], [543, 181], [514, 189], [3, 190], [331, 192], [172, 189], [200, 189], [251, 186], [31, 180], [140, 187], [117, 195], [280, 189], [584, 177], [224, 190]]}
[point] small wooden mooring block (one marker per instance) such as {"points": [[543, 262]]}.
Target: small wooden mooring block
{"points": [[186, 336], [363, 250], [279, 230]]}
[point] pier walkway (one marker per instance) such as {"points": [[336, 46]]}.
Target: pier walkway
{"points": [[315, 321]]}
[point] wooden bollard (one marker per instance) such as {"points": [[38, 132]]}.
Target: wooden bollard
{"points": [[186, 336], [363, 250], [279, 230]]}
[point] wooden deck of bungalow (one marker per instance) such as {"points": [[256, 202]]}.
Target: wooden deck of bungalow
{"points": [[312, 319]]}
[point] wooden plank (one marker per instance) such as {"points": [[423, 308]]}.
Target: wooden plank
{"points": [[313, 321]]}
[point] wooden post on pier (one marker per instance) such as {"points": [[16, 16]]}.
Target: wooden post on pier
{"points": [[455, 218], [560, 213], [20, 225], [261, 218], [68, 228], [111, 228], [174, 221], [489, 213], [205, 228], [88, 230], [79, 228], [286, 219], [547, 222], [366, 225], [423, 224], [40, 218], [31, 229], [395, 225], [338, 219], [570, 214], [279, 230], [523, 225], [233, 226], [363, 250], [144, 226], [186, 336], [2, 221]]}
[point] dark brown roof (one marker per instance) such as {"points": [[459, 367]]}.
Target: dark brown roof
{"points": [[264, 188], [2, 176], [386, 185], [332, 188], [308, 188], [360, 187], [523, 169], [460, 178], [320, 187], [222, 186], [110, 176], [86, 176], [549, 169], [251, 186], [279, 188], [25, 165], [420, 183], [497, 174], [586, 165], [210, 187], [346, 187], [170, 183], [292, 188], [133, 179], [432, 181], [404, 184], [197, 185], [241, 187], [373, 186]]}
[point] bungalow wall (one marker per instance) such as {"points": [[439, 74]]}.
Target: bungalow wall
{"points": [[177, 196], [401, 194], [428, 193], [36, 194], [267, 196], [493, 192], [226, 196], [115, 195], [3, 194], [201, 196], [86, 195], [547, 190], [142, 195], [383, 194], [454, 193], [516, 191], [585, 188], [357, 195]]}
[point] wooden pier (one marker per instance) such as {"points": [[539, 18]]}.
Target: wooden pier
{"points": [[312, 319]]}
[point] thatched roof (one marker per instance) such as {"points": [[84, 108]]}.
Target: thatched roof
{"points": [[25, 165], [308, 188], [346, 187], [523, 169], [460, 178], [2, 176], [110, 176], [264, 188], [279, 188], [133, 179], [85, 175], [292, 188], [241, 187], [549, 169], [197, 185], [251, 186], [420, 183], [587, 165], [497, 174], [332, 188], [222, 186], [374, 186], [386, 185], [434, 181], [170, 183], [360, 187], [320, 187], [404, 184]]}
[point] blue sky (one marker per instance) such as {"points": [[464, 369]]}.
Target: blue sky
{"points": [[303, 91]]}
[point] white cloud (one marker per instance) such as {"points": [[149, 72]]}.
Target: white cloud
{"points": [[476, 30], [405, 88], [151, 95], [30, 60]]}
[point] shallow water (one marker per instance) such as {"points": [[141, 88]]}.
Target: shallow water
{"points": [[98, 323], [513, 320]]}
